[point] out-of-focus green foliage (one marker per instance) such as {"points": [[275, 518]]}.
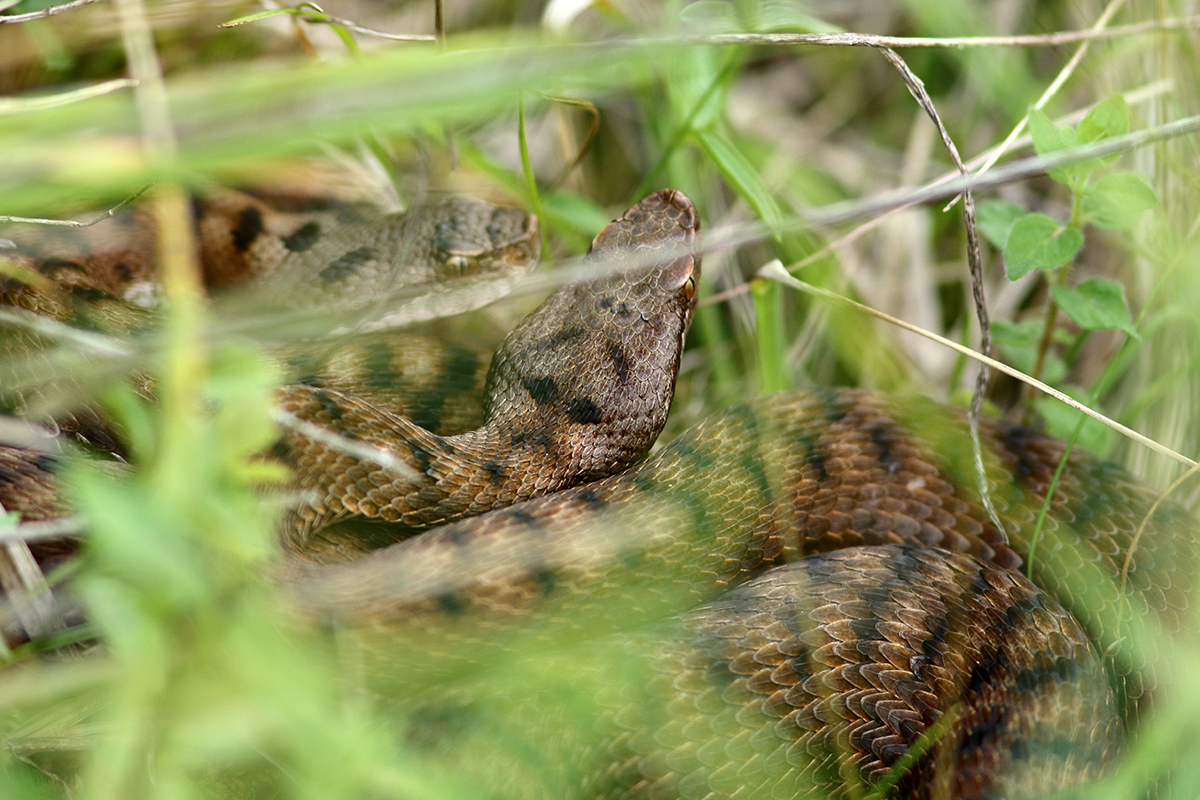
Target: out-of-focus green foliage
{"points": [[205, 688]]}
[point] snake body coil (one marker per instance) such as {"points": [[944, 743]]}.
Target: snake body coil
{"points": [[805, 587], [578, 390]]}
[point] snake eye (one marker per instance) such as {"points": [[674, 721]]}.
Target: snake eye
{"points": [[689, 288], [458, 265]]}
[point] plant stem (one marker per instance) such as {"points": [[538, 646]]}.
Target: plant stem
{"points": [[1057, 277]]}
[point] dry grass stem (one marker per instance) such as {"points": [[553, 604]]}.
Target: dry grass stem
{"points": [[776, 272], [71, 223], [344, 445], [902, 42], [45, 12]]}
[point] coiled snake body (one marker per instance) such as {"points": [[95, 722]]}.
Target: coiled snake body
{"points": [[872, 615]]}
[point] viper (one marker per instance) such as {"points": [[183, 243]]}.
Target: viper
{"points": [[814, 598]]}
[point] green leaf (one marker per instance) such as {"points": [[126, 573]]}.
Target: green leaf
{"points": [[242, 383], [1118, 200], [743, 176], [1106, 119], [274, 12], [995, 219], [1095, 304], [1038, 242], [747, 181], [769, 334], [697, 86], [1050, 138]]}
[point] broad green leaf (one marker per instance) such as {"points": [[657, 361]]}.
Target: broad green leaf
{"points": [[995, 218], [1106, 119], [241, 383], [1038, 242], [1118, 200], [1050, 138], [743, 176], [693, 94], [1095, 304]]}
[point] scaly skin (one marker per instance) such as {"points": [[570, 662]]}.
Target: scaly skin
{"points": [[901, 607], [578, 390], [355, 264], [774, 481]]}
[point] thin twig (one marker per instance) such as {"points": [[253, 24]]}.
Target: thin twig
{"points": [[396, 37], [1146, 92], [975, 266], [319, 17], [850, 39], [439, 33], [150, 92], [588, 138], [45, 12], [731, 236], [836, 213], [24, 583], [1051, 90], [775, 271], [70, 223], [1137, 536]]}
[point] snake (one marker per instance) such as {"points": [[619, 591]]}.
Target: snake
{"points": [[811, 597]]}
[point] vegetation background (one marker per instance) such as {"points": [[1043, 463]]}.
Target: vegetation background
{"points": [[203, 690]]}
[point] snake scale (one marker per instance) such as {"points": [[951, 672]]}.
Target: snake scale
{"points": [[806, 583]]}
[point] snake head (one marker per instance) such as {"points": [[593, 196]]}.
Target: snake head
{"points": [[663, 224], [590, 374], [473, 237]]}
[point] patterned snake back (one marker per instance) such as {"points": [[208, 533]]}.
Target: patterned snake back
{"points": [[800, 596], [901, 610]]}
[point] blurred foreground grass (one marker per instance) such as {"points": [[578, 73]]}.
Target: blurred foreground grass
{"points": [[204, 690]]}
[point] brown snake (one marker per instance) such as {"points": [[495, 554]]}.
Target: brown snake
{"points": [[898, 611]]}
